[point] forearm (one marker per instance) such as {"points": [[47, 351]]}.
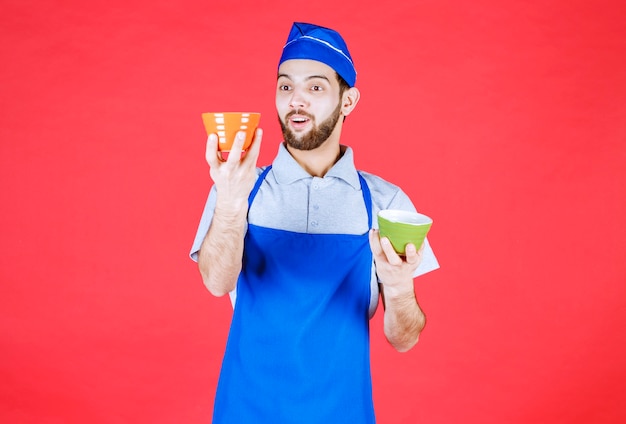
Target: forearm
{"points": [[403, 319], [220, 255]]}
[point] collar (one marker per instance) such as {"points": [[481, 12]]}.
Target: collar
{"points": [[287, 170]]}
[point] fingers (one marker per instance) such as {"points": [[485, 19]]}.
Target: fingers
{"points": [[377, 249], [213, 156], [382, 248], [237, 148], [253, 152], [211, 151], [410, 253], [414, 256], [390, 253]]}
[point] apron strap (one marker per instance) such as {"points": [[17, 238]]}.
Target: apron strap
{"points": [[257, 185], [367, 197]]}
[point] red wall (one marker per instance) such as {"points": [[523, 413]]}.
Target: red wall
{"points": [[505, 121]]}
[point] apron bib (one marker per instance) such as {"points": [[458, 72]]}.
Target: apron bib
{"points": [[298, 347]]}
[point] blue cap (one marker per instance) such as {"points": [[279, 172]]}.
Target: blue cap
{"points": [[308, 41]]}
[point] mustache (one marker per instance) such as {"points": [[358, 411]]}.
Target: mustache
{"points": [[298, 112]]}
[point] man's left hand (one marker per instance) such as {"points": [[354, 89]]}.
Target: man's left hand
{"points": [[395, 272]]}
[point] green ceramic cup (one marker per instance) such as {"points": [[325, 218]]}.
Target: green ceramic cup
{"points": [[403, 227]]}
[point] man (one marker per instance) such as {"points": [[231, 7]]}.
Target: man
{"points": [[294, 245]]}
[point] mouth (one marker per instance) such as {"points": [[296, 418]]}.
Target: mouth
{"points": [[298, 121]]}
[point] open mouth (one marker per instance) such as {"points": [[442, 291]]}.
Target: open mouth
{"points": [[299, 121]]}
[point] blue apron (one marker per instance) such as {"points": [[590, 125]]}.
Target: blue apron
{"points": [[298, 347]]}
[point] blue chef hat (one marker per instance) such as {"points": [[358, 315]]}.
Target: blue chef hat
{"points": [[308, 41]]}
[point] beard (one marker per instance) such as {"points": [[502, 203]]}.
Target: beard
{"points": [[316, 135]]}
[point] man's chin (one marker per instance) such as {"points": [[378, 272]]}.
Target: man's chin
{"points": [[304, 145], [296, 140], [299, 133]]}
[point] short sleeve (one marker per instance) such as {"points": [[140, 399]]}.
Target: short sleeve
{"points": [[205, 223]]}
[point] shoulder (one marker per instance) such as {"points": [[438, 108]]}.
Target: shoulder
{"points": [[376, 182], [385, 194]]}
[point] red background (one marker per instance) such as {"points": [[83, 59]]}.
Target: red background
{"points": [[505, 121]]}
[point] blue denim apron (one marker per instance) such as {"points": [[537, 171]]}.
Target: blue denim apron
{"points": [[298, 347]]}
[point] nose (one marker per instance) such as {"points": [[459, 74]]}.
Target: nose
{"points": [[297, 100]]}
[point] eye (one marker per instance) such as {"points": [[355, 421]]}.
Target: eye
{"points": [[316, 88], [284, 87]]}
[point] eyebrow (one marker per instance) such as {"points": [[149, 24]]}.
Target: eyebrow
{"points": [[310, 77]]}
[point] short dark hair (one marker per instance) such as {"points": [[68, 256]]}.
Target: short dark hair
{"points": [[343, 85]]}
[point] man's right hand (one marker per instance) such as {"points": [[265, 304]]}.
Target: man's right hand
{"points": [[235, 176], [220, 255]]}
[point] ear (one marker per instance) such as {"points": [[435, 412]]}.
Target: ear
{"points": [[349, 100]]}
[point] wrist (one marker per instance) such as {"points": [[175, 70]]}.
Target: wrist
{"points": [[230, 213], [231, 207], [402, 294]]}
